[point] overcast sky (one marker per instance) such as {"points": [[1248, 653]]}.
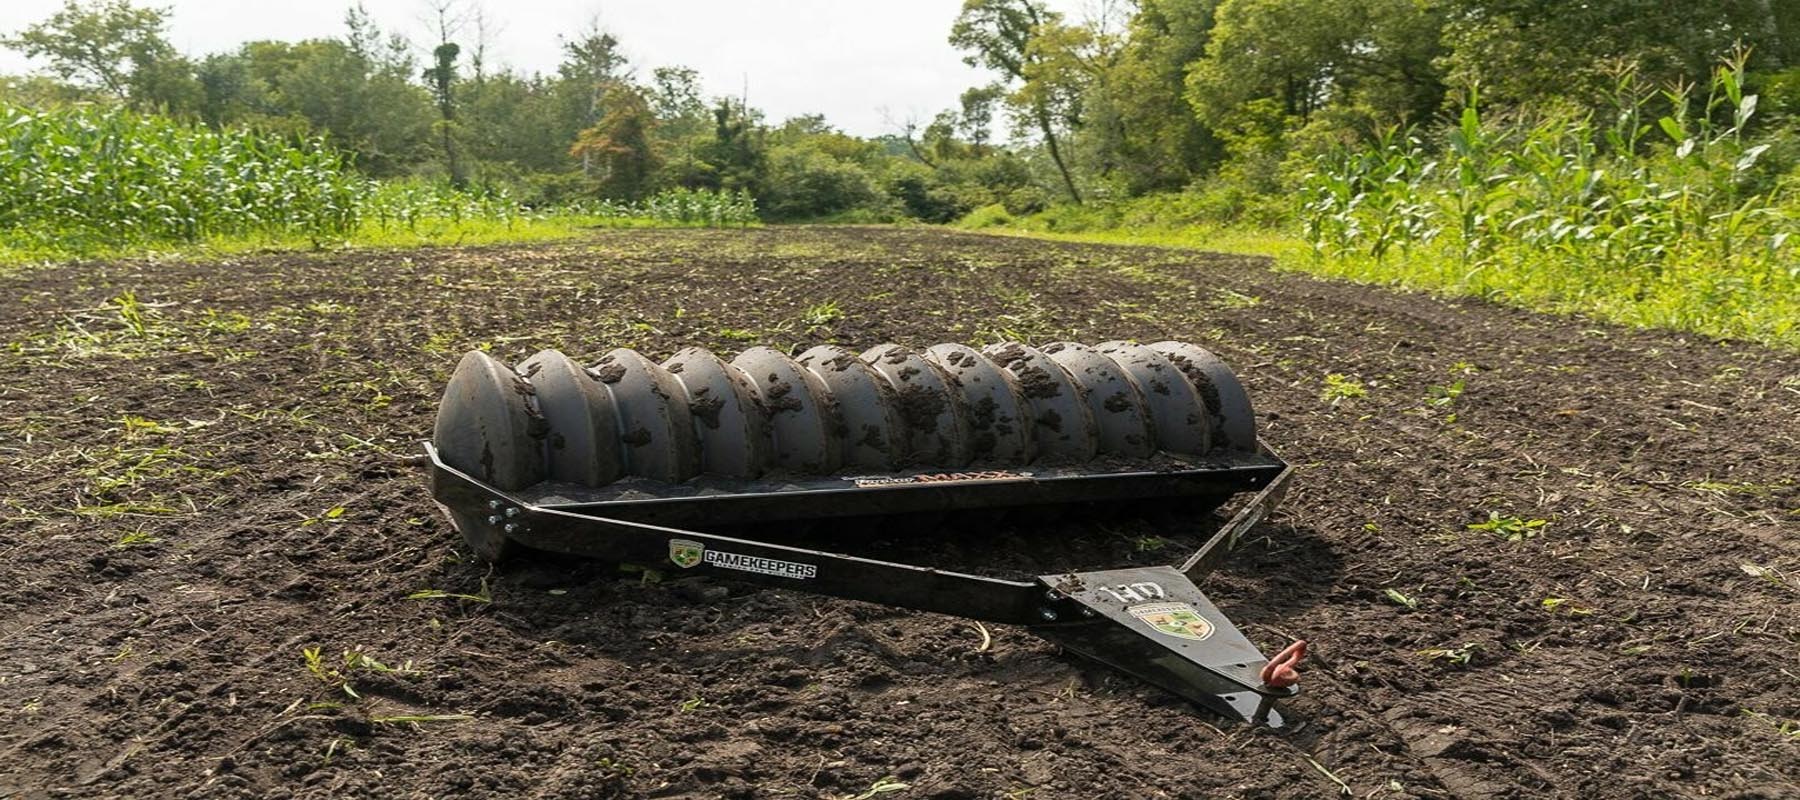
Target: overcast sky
{"points": [[859, 62]]}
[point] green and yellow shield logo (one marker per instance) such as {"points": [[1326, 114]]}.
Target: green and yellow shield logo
{"points": [[1174, 619], [685, 553]]}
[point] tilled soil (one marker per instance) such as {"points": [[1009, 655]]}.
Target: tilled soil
{"points": [[205, 475]]}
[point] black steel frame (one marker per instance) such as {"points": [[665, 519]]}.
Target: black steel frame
{"points": [[1110, 616]]}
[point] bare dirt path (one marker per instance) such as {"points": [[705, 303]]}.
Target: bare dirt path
{"points": [[202, 479]]}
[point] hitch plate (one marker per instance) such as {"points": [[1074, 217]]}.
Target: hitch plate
{"points": [[1155, 624]]}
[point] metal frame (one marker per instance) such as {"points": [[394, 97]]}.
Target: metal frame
{"points": [[1152, 623]]}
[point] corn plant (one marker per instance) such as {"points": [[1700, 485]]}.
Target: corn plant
{"points": [[82, 179], [1670, 223], [84, 176], [682, 206]]}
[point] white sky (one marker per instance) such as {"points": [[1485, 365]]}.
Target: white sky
{"points": [[861, 63]]}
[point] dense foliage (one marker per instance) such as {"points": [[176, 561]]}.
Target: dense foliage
{"points": [[1545, 150], [83, 179], [1679, 224], [1157, 95], [77, 177], [593, 130]]}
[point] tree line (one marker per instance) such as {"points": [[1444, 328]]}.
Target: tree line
{"points": [[1131, 99]]}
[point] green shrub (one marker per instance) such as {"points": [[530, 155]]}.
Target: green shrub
{"points": [[806, 183], [988, 216], [1028, 199], [1780, 92], [920, 192]]}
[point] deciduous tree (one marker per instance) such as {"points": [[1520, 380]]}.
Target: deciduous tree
{"points": [[114, 47], [999, 35], [618, 148]]}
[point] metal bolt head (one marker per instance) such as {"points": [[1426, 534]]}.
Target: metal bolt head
{"points": [[494, 520], [494, 504], [1087, 612], [512, 511], [1049, 614], [1051, 595], [510, 528]]}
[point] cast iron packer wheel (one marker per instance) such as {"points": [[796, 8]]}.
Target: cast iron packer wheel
{"points": [[948, 407]]}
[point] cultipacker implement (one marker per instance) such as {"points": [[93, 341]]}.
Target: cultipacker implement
{"points": [[644, 463]]}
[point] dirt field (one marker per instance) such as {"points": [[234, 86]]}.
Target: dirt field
{"points": [[200, 484]]}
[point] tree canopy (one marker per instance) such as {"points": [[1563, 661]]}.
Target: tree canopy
{"points": [[1132, 98]]}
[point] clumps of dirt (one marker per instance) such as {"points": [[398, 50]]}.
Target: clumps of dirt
{"points": [[608, 371], [919, 408], [1034, 381], [706, 409], [983, 414], [1209, 393], [837, 363], [833, 413], [779, 397]]}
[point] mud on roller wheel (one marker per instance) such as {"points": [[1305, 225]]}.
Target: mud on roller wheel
{"points": [[765, 437]]}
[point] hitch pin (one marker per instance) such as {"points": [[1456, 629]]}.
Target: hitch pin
{"points": [[1281, 671]]}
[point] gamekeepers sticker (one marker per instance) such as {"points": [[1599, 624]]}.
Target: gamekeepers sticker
{"points": [[685, 554], [1174, 619]]}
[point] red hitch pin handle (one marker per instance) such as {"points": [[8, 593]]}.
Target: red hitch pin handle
{"points": [[1281, 671]]}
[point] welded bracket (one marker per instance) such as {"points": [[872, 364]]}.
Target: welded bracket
{"points": [[1154, 624], [1226, 538]]}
